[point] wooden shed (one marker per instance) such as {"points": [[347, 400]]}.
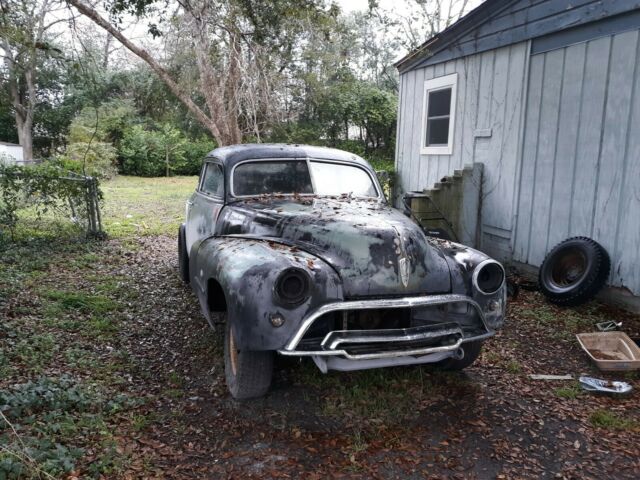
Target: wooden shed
{"points": [[545, 94]]}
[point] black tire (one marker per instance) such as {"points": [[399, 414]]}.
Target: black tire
{"points": [[248, 373], [574, 271], [471, 353], [183, 258]]}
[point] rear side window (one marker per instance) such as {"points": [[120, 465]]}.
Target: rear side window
{"points": [[213, 181]]}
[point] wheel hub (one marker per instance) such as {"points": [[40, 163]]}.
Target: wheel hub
{"points": [[569, 268]]}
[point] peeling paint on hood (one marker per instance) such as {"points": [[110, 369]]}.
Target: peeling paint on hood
{"points": [[376, 250]]}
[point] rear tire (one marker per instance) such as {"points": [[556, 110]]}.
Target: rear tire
{"points": [[471, 353], [183, 258], [248, 373]]}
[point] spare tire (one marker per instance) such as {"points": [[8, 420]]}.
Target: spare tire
{"points": [[574, 271]]}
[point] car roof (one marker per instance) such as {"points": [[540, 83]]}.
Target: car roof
{"points": [[234, 154]]}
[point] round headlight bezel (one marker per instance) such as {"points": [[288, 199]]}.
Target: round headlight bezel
{"points": [[283, 287], [489, 263]]}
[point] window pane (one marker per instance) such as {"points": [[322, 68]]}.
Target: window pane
{"points": [[438, 131], [336, 179], [439, 102], [257, 178], [213, 180]]}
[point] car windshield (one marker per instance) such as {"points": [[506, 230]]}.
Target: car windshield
{"points": [[299, 177]]}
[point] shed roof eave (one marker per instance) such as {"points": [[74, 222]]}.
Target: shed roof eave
{"points": [[441, 40]]}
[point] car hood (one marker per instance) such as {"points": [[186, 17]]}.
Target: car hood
{"points": [[376, 250]]}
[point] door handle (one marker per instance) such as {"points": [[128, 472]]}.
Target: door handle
{"points": [[189, 202]]}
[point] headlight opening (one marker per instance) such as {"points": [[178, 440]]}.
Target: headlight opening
{"points": [[292, 286], [488, 277]]}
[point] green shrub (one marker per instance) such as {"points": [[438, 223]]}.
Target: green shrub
{"points": [[141, 153], [106, 124], [52, 415], [96, 159], [194, 153], [154, 153]]}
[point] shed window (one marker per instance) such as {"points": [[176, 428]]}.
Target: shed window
{"points": [[439, 115]]}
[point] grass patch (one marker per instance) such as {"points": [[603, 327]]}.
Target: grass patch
{"points": [[141, 422], [513, 367], [176, 380], [101, 327], [379, 396], [174, 393], [570, 393], [145, 206], [34, 352], [564, 323], [606, 419], [83, 302], [97, 313]]}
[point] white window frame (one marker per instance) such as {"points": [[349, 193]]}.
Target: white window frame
{"points": [[439, 83]]}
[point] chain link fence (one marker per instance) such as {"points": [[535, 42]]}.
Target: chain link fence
{"points": [[31, 192]]}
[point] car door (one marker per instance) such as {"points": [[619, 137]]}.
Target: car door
{"points": [[205, 204]]}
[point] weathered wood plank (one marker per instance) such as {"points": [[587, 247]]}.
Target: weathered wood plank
{"points": [[627, 252], [614, 140], [398, 159], [565, 156], [529, 155], [408, 132], [509, 147], [547, 136], [417, 162], [497, 213], [457, 155], [483, 118], [588, 146], [472, 84]]}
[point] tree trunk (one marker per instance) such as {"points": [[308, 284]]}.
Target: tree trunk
{"points": [[166, 158], [222, 124], [106, 53], [23, 108], [25, 138]]}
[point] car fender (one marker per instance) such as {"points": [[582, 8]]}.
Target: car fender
{"points": [[246, 269]]}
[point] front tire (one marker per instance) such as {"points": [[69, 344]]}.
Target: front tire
{"points": [[248, 373], [183, 258], [471, 353]]}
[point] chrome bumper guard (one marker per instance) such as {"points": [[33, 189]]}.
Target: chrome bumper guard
{"points": [[334, 340]]}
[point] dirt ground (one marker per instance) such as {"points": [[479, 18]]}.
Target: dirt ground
{"points": [[109, 370], [491, 421]]}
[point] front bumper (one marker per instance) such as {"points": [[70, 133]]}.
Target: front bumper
{"points": [[424, 343]]}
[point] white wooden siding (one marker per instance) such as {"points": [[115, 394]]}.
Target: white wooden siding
{"points": [[489, 97], [581, 162], [563, 158]]}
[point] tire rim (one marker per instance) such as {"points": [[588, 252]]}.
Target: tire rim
{"points": [[233, 352], [568, 269]]}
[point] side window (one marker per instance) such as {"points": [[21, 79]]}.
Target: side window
{"points": [[213, 181], [438, 119]]}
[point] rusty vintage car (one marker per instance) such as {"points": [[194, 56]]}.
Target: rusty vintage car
{"points": [[298, 245]]}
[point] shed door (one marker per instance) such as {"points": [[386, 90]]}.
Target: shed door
{"points": [[581, 153]]}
